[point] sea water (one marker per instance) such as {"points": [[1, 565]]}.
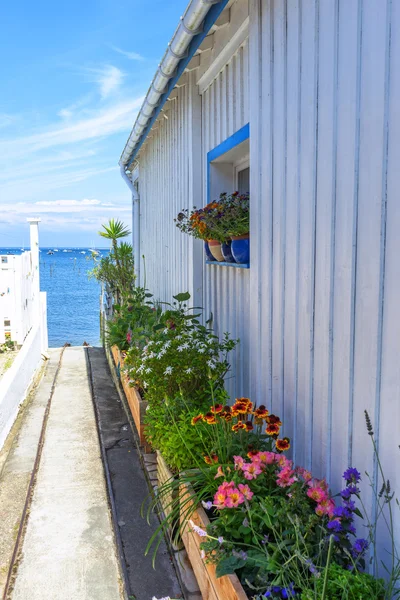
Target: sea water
{"points": [[73, 298]]}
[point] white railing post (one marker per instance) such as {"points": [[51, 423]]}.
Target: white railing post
{"points": [[34, 239]]}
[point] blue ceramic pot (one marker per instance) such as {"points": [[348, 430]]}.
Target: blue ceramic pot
{"points": [[241, 249], [226, 251], [209, 256]]}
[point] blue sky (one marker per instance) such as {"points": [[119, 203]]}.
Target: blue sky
{"points": [[73, 77]]}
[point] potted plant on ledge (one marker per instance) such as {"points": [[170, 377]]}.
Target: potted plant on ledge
{"points": [[223, 225]]}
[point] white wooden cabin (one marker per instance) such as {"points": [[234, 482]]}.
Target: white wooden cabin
{"points": [[306, 94]]}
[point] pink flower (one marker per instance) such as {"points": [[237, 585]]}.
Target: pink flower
{"points": [[286, 477], [251, 471], [220, 473], [239, 462], [282, 461], [317, 494], [219, 498], [221, 494], [246, 491], [326, 507], [267, 458], [233, 498], [304, 474], [129, 337]]}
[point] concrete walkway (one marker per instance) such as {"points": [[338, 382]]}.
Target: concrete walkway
{"points": [[68, 551]]}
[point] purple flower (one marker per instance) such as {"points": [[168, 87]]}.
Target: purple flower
{"points": [[359, 547], [350, 505], [245, 523], [221, 539], [343, 512], [335, 525], [346, 493], [351, 529], [312, 568], [352, 475], [288, 592], [207, 505]]}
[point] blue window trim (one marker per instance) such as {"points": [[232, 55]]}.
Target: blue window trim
{"points": [[209, 21], [232, 141]]}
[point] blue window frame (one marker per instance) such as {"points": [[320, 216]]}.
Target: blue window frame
{"points": [[221, 172]]}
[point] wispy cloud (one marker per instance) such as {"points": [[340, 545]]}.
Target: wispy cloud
{"points": [[116, 118], [109, 78], [130, 55], [6, 120]]}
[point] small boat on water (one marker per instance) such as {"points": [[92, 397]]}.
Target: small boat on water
{"points": [[50, 252], [83, 252]]}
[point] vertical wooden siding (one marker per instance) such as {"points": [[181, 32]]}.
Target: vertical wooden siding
{"points": [[225, 109], [324, 282], [165, 189]]}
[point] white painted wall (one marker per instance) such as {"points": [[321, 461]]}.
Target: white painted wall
{"points": [[16, 381], [324, 278]]}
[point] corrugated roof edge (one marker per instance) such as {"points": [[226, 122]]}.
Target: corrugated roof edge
{"points": [[182, 47]]}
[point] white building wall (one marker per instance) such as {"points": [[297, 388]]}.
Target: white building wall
{"points": [[325, 222], [166, 186], [225, 110], [317, 312]]}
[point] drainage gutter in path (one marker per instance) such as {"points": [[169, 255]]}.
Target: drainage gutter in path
{"points": [[128, 489]]}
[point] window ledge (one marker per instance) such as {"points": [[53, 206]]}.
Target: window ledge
{"points": [[227, 264]]}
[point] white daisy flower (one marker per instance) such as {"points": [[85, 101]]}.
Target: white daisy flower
{"points": [[168, 371], [166, 331], [211, 364], [148, 370], [189, 370]]}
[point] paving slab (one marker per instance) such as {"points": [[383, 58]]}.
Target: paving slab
{"points": [[69, 549]]}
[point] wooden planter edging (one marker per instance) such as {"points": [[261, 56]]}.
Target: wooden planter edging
{"points": [[136, 404], [164, 474], [227, 587]]}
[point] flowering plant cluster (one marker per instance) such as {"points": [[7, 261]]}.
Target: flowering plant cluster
{"points": [[133, 321], [219, 220]]}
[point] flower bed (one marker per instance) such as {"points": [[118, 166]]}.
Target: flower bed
{"points": [[136, 404], [212, 587]]}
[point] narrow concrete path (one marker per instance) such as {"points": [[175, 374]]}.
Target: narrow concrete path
{"points": [[68, 551], [17, 459]]}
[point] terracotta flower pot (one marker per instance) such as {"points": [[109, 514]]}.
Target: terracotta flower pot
{"points": [[215, 249]]}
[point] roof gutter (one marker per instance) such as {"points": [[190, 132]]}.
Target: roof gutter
{"points": [[195, 24]]}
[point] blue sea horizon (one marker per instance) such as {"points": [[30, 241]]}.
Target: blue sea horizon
{"points": [[73, 299]]}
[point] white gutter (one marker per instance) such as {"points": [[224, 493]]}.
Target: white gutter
{"points": [[135, 222], [189, 26]]}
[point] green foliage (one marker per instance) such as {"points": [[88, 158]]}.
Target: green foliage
{"points": [[173, 436], [133, 321], [114, 230], [116, 271], [182, 358], [343, 584]]}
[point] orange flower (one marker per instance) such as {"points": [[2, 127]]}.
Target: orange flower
{"points": [[210, 418], [261, 412], [274, 420], [272, 429], [199, 417], [249, 426], [216, 409], [239, 408], [211, 459], [283, 444], [239, 425]]}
